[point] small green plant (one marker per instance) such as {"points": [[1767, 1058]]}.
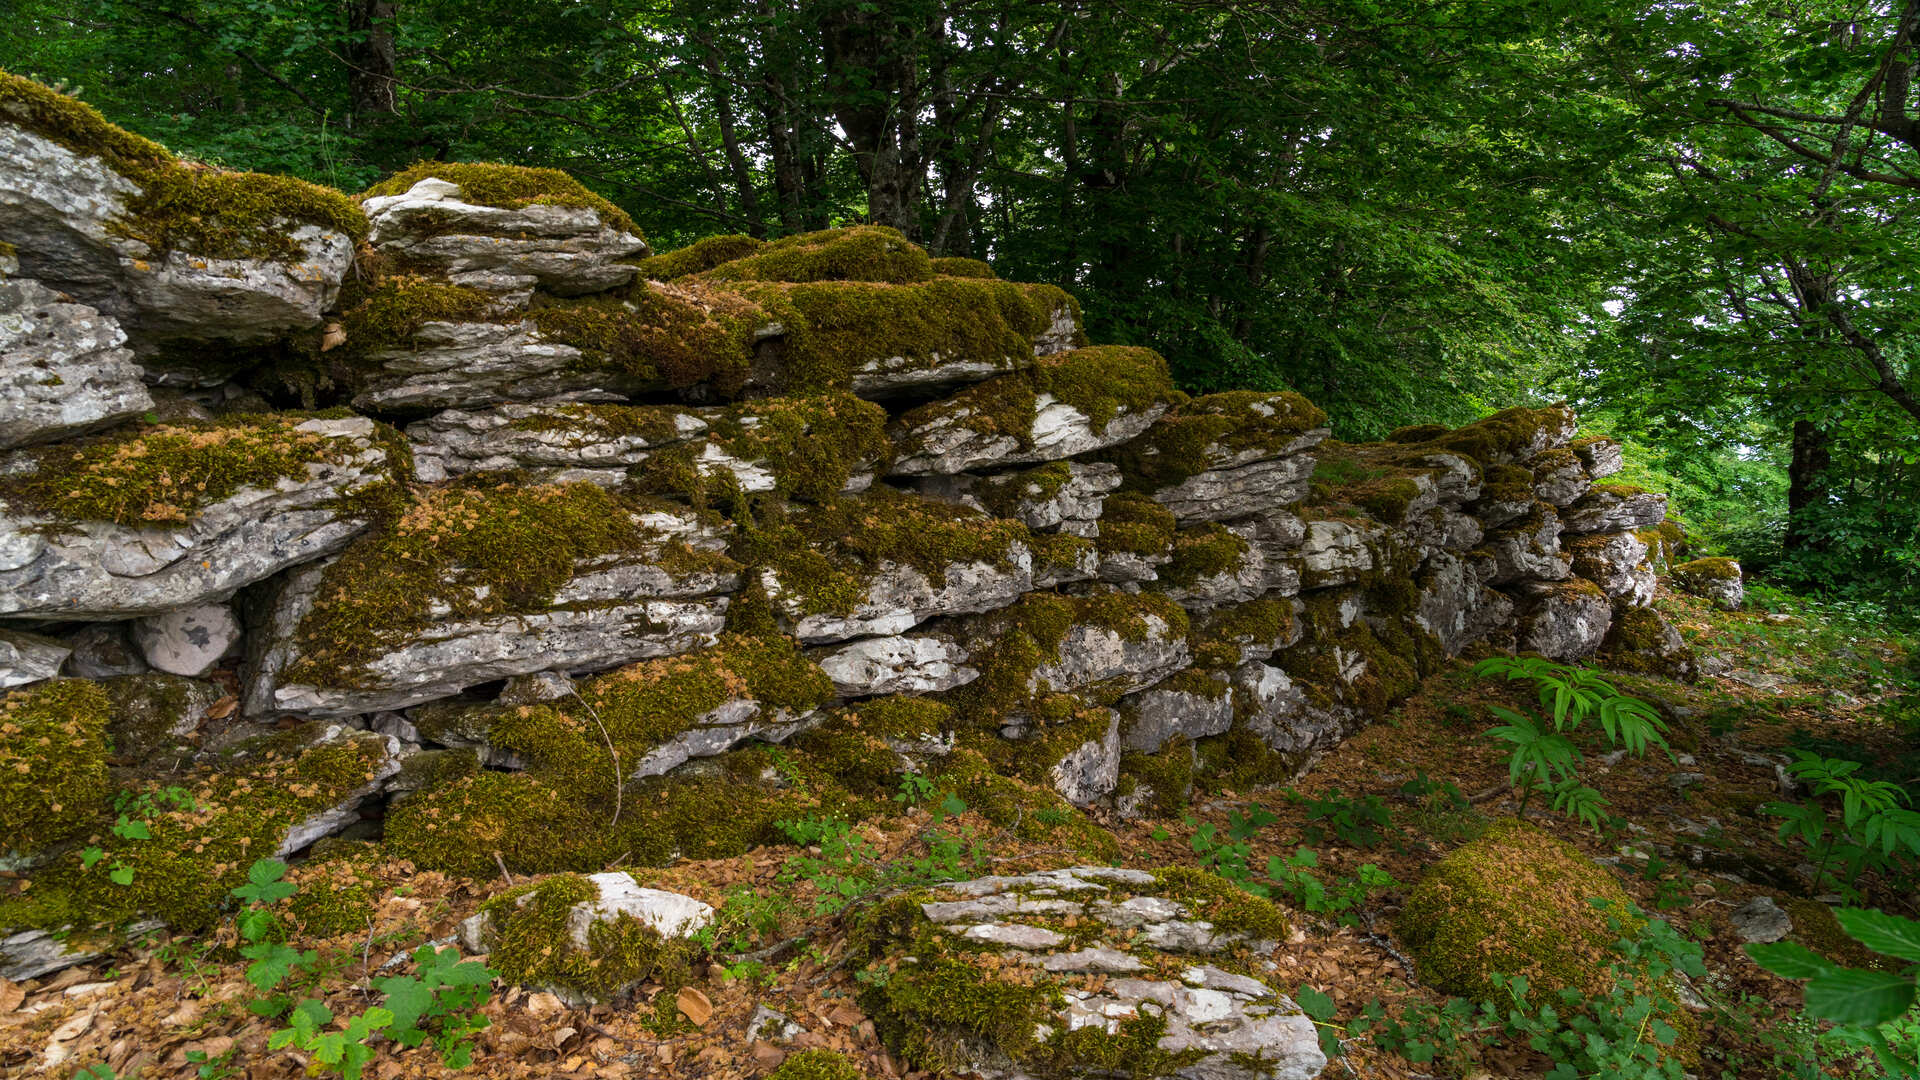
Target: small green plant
{"points": [[344, 1051], [1359, 822], [845, 866], [439, 1003], [1227, 853], [1543, 759], [1862, 1004], [1294, 878], [1875, 831], [915, 789]]}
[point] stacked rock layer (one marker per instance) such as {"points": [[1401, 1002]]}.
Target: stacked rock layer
{"points": [[452, 518]]}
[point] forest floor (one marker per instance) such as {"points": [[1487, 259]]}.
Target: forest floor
{"points": [[1689, 839]]}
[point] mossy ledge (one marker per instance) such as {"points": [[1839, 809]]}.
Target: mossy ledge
{"points": [[509, 187], [192, 209]]}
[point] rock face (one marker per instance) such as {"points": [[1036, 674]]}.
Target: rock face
{"points": [[1143, 985], [63, 371], [63, 209], [619, 520], [1719, 580], [73, 567]]}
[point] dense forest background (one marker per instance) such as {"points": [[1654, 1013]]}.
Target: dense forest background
{"points": [[1694, 221]]}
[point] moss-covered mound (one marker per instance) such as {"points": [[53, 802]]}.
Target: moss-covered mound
{"points": [[700, 256], [53, 762], [1218, 429], [509, 187], [1514, 902], [533, 943], [161, 474], [388, 312], [860, 253], [192, 209], [1707, 570], [678, 334], [196, 837], [1509, 435], [816, 1065], [954, 266], [475, 548]]}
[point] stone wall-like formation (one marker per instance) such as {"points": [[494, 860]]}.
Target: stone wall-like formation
{"points": [[455, 518]]}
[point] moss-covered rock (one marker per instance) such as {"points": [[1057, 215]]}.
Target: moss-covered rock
{"points": [[859, 253], [816, 1065], [1642, 641], [1219, 431], [1514, 902], [588, 937], [1715, 578], [53, 763], [954, 266], [700, 256], [509, 187]]}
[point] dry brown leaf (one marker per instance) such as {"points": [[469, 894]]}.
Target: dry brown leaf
{"points": [[11, 995], [695, 1005], [333, 337]]}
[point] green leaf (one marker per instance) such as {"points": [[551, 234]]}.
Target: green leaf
{"points": [[408, 999], [1853, 996], [1888, 935], [1315, 1004], [121, 875], [1790, 960]]}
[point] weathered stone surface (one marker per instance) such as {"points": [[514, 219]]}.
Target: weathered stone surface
{"points": [[1264, 568], [1226, 494], [63, 370], [721, 729], [899, 664], [1274, 707], [1334, 552], [901, 597], [302, 834], [1559, 478], [1564, 622], [616, 609], [1760, 920], [1234, 1027], [467, 365], [29, 954], [567, 250], [1454, 605], [1606, 509], [26, 658], [55, 206], [103, 570], [1089, 772], [1719, 580], [1191, 708], [618, 904], [1444, 529], [1065, 496], [1122, 661], [964, 434], [156, 713], [1528, 550], [1617, 562], [549, 442], [187, 641], [1254, 637], [886, 376], [1642, 640], [1601, 456], [103, 650]]}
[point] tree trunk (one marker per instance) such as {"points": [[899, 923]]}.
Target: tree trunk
{"points": [[1806, 484], [371, 54]]}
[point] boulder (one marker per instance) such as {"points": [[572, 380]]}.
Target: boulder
{"points": [[899, 664], [1455, 605], [133, 540], [351, 635], [587, 938], [1617, 562], [187, 641], [1614, 508], [1226, 456], [1564, 621], [548, 441], [1089, 770], [1066, 496], [63, 370], [465, 365], [1212, 565], [386, 754], [1142, 985], [1716, 579], [1642, 640], [1760, 921], [1528, 550], [1066, 404], [1559, 478], [103, 650], [1192, 704], [566, 250], [1599, 455], [27, 658], [104, 216], [1334, 552]]}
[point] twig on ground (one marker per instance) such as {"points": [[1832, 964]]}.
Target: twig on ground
{"points": [[502, 864]]}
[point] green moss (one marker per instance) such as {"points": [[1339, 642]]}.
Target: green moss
{"points": [[1638, 641], [700, 256], [8, 251], [1507, 483], [1393, 654], [161, 474], [1417, 433], [901, 717], [1167, 772], [479, 547], [1100, 382], [240, 810], [816, 1065], [1027, 635], [1132, 523], [812, 445], [338, 892], [1231, 909], [53, 770], [834, 327], [391, 311], [859, 253], [1514, 902], [191, 209], [1207, 431], [677, 335], [532, 945], [1030, 812], [1815, 927], [509, 187], [954, 266], [1240, 760], [824, 554], [1709, 569], [147, 708], [1506, 436], [1204, 551], [1223, 638]]}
